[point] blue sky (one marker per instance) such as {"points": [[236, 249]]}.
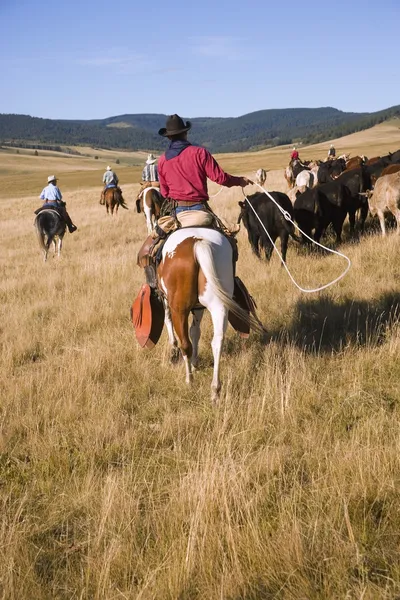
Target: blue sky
{"points": [[94, 59]]}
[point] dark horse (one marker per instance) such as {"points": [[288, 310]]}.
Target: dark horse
{"points": [[50, 226], [113, 200]]}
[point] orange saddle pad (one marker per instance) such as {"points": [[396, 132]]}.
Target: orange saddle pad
{"points": [[147, 315]]}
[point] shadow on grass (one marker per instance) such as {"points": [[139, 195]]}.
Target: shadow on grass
{"points": [[322, 325]]}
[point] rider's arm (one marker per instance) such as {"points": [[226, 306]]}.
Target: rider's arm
{"points": [[216, 174]]}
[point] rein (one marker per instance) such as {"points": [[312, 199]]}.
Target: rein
{"points": [[288, 218]]}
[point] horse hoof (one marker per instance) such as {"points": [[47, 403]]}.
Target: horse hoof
{"points": [[175, 355], [215, 393]]}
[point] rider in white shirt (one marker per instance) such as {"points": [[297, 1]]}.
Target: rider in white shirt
{"points": [[52, 197]]}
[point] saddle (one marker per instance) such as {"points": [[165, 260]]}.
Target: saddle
{"points": [[150, 254], [53, 208]]}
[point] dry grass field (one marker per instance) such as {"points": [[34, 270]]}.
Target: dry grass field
{"points": [[120, 482]]}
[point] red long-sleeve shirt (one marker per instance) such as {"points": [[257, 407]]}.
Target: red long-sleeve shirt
{"points": [[184, 177]]}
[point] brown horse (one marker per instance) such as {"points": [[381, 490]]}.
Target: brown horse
{"points": [[150, 203], [196, 272], [113, 200]]}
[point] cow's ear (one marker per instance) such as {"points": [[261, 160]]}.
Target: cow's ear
{"points": [[241, 204]]}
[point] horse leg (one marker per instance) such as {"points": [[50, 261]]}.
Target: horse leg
{"points": [[195, 334], [180, 322], [59, 246], [148, 213], [219, 316], [174, 356]]}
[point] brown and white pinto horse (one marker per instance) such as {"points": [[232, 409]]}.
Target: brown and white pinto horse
{"points": [[196, 272], [150, 203], [113, 200]]}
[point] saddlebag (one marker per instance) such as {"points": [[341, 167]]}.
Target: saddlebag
{"points": [[147, 314]]}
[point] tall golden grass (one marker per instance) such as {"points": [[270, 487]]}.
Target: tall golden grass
{"points": [[119, 481]]}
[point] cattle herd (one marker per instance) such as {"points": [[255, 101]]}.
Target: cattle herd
{"points": [[323, 194]]}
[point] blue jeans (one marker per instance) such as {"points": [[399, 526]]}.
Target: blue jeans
{"points": [[199, 206]]}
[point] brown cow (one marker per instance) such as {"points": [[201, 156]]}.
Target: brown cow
{"points": [[386, 197], [391, 169], [354, 162]]}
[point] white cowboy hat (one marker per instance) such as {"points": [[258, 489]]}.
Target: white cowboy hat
{"points": [[108, 168], [151, 159], [51, 178]]}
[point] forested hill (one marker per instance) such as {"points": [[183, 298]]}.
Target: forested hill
{"points": [[253, 131]]}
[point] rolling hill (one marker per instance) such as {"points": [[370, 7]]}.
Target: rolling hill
{"points": [[253, 131]]}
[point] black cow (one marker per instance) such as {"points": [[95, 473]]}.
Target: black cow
{"points": [[317, 208], [375, 169], [272, 219], [330, 169], [395, 157], [358, 181]]}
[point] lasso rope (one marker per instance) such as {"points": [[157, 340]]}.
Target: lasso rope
{"points": [[288, 218], [219, 191]]}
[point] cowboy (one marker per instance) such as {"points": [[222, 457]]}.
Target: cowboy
{"points": [[52, 196], [150, 171], [331, 152], [110, 179], [183, 169], [149, 177]]}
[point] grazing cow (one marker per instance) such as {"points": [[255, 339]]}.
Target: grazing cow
{"points": [[386, 197], [272, 219], [321, 206], [261, 176], [358, 181]]}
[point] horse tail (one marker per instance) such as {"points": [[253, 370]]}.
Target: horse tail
{"points": [[205, 259], [120, 200], [40, 234]]}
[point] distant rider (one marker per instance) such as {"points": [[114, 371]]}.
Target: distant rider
{"points": [[52, 196], [331, 152], [294, 155], [110, 179], [149, 176]]}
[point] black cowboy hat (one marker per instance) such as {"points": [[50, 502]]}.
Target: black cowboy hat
{"points": [[174, 126]]}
